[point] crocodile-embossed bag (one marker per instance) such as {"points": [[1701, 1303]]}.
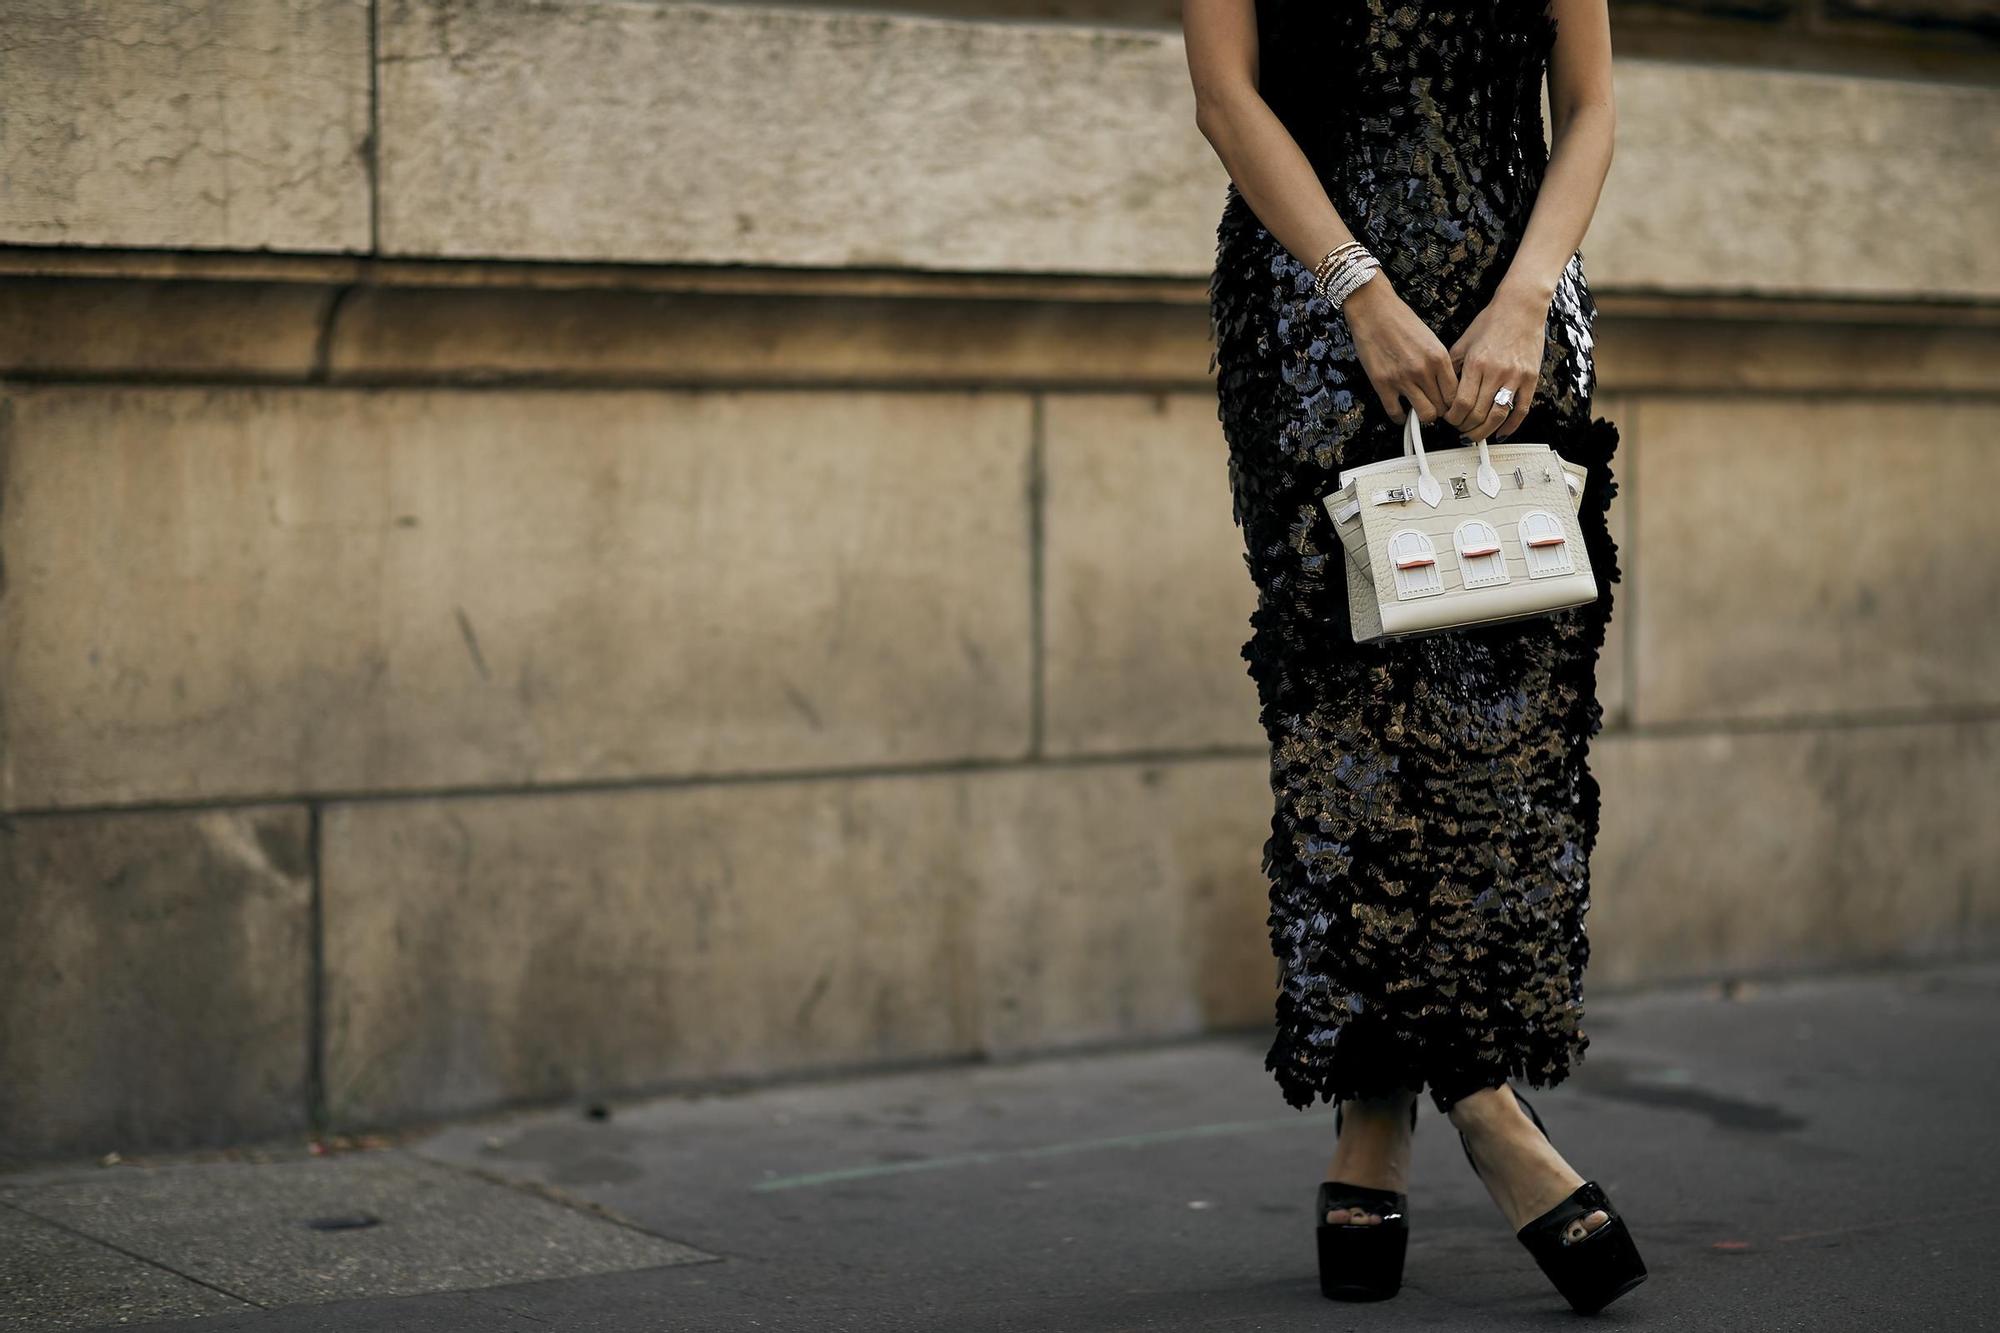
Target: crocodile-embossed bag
{"points": [[1451, 538]]}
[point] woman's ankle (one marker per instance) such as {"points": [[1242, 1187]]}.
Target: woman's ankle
{"points": [[1485, 1109]]}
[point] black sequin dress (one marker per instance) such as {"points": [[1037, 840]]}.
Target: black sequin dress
{"points": [[1435, 812]]}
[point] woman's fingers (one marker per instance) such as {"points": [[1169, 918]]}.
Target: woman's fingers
{"points": [[1425, 405], [1476, 411], [1444, 379], [1429, 384], [1392, 402], [1486, 422], [1464, 410], [1405, 361], [1467, 403], [1524, 395], [1394, 391], [1508, 419]]}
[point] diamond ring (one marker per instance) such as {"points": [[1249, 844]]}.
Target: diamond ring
{"points": [[1504, 398]]}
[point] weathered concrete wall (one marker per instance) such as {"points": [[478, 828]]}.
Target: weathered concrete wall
{"points": [[1068, 149], [1774, 543], [224, 124], [1843, 839], [249, 591], [787, 136], [743, 134], [155, 977], [529, 946], [1727, 180]]}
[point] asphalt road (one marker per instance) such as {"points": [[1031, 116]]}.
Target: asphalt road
{"points": [[1815, 1155]]}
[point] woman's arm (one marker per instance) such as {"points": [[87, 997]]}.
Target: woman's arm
{"points": [[1401, 354], [1582, 125], [1504, 345]]}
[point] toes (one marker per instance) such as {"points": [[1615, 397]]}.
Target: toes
{"points": [[1585, 1225], [1351, 1217]]}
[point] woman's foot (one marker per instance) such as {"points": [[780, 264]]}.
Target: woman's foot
{"points": [[1373, 1150], [1523, 1171]]}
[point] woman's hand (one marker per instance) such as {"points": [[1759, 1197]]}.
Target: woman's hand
{"points": [[1403, 358], [1501, 348]]}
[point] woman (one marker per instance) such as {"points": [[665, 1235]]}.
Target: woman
{"points": [[1396, 238]]}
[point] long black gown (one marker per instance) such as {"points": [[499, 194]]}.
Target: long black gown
{"points": [[1435, 811]]}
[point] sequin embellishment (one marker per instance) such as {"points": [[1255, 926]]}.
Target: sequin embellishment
{"points": [[1435, 811]]}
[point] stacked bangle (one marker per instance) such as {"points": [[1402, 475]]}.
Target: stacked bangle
{"points": [[1343, 270]]}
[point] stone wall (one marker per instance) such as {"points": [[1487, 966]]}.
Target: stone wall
{"points": [[523, 587]]}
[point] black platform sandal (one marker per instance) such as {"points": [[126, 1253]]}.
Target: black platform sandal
{"points": [[1591, 1272], [1362, 1261]]}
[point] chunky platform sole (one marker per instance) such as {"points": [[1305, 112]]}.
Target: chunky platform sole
{"points": [[1592, 1272], [1361, 1261]]}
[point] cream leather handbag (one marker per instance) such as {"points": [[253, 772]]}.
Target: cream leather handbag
{"points": [[1460, 537]]}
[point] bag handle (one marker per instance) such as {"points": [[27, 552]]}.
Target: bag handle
{"points": [[1428, 489], [1489, 476]]}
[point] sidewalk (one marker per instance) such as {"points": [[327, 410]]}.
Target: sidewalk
{"points": [[1816, 1155]]}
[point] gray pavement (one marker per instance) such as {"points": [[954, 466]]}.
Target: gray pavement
{"points": [[1815, 1154]]}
